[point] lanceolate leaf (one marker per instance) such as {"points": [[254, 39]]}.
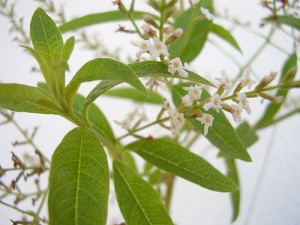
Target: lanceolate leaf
{"points": [[247, 134], [79, 181], [103, 69], [130, 93], [289, 69], [23, 98], [221, 134], [225, 35], [143, 69], [67, 49], [45, 36], [287, 20], [171, 157], [98, 18], [95, 116], [138, 202], [195, 32], [235, 196]]}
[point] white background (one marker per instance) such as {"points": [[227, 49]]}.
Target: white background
{"points": [[269, 184]]}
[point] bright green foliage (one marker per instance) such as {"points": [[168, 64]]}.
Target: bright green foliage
{"points": [[286, 20], [138, 202], [195, 32], [225, 35], [170, 156], [103, 69], [23, 98], [246, 134], [289, 70], [98, 18], [221, 134], [130, 93], [95, 116], [67, 49], [235, 196], [79, 181]]}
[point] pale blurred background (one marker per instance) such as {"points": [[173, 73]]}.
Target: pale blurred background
{"points": [[269, 185]]}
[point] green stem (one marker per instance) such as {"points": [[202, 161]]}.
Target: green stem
{"points": [[37, 214], [170, 187]]}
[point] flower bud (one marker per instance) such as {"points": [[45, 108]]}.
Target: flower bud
{"points": [[274, 99], [149, 19], [174, 36], [266, 80]]}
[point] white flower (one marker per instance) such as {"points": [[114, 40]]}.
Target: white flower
{"points": [[214, 102], [224, 80], [194, 92], [159, 48], [187, 100], [177, 121], [207, 121], [207, 13], [243, 102], [144, 46], [125, 124], [246, 80], [146, 28], [175, 65], [154, 82], [236, 113]]}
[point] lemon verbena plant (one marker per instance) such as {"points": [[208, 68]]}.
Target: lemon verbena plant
{"points": [[190, 107]]}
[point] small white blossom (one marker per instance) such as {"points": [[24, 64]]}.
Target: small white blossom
{"points": [[194, 92], [175, 65], [159, 48], [236, 113], [207, 13], [154, 82], [187, 101], [214, 102], [144, 46], [243, 102], [224, 80], [146, 28], [246, 80], [177, 121], [125, 124], [207, 121]]}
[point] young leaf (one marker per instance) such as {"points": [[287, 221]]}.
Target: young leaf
{"points": [[79, 181], [170, 156], [158, 69], [225, 35], [103, 69], [95, 116], [45, 36], [67, 49], [138, 202], [23, 98], [247, 134], [287, 20], [235, 196], [133, 94], [289, 69], [98, 18], [221, 134], [195, 32]]}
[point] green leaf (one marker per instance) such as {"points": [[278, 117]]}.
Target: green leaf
{"points": [[79, 181], [103, 69], [45, 36], [247, 134], [195, 32], [289, 70], [158, 69], [133, 94], [67, 49], [225, 35], [143, 69], [221, 134], [23, 98], [170, 156], [97, 18], [138, 202], [95, 116], [286, 20], [235, 196]]}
